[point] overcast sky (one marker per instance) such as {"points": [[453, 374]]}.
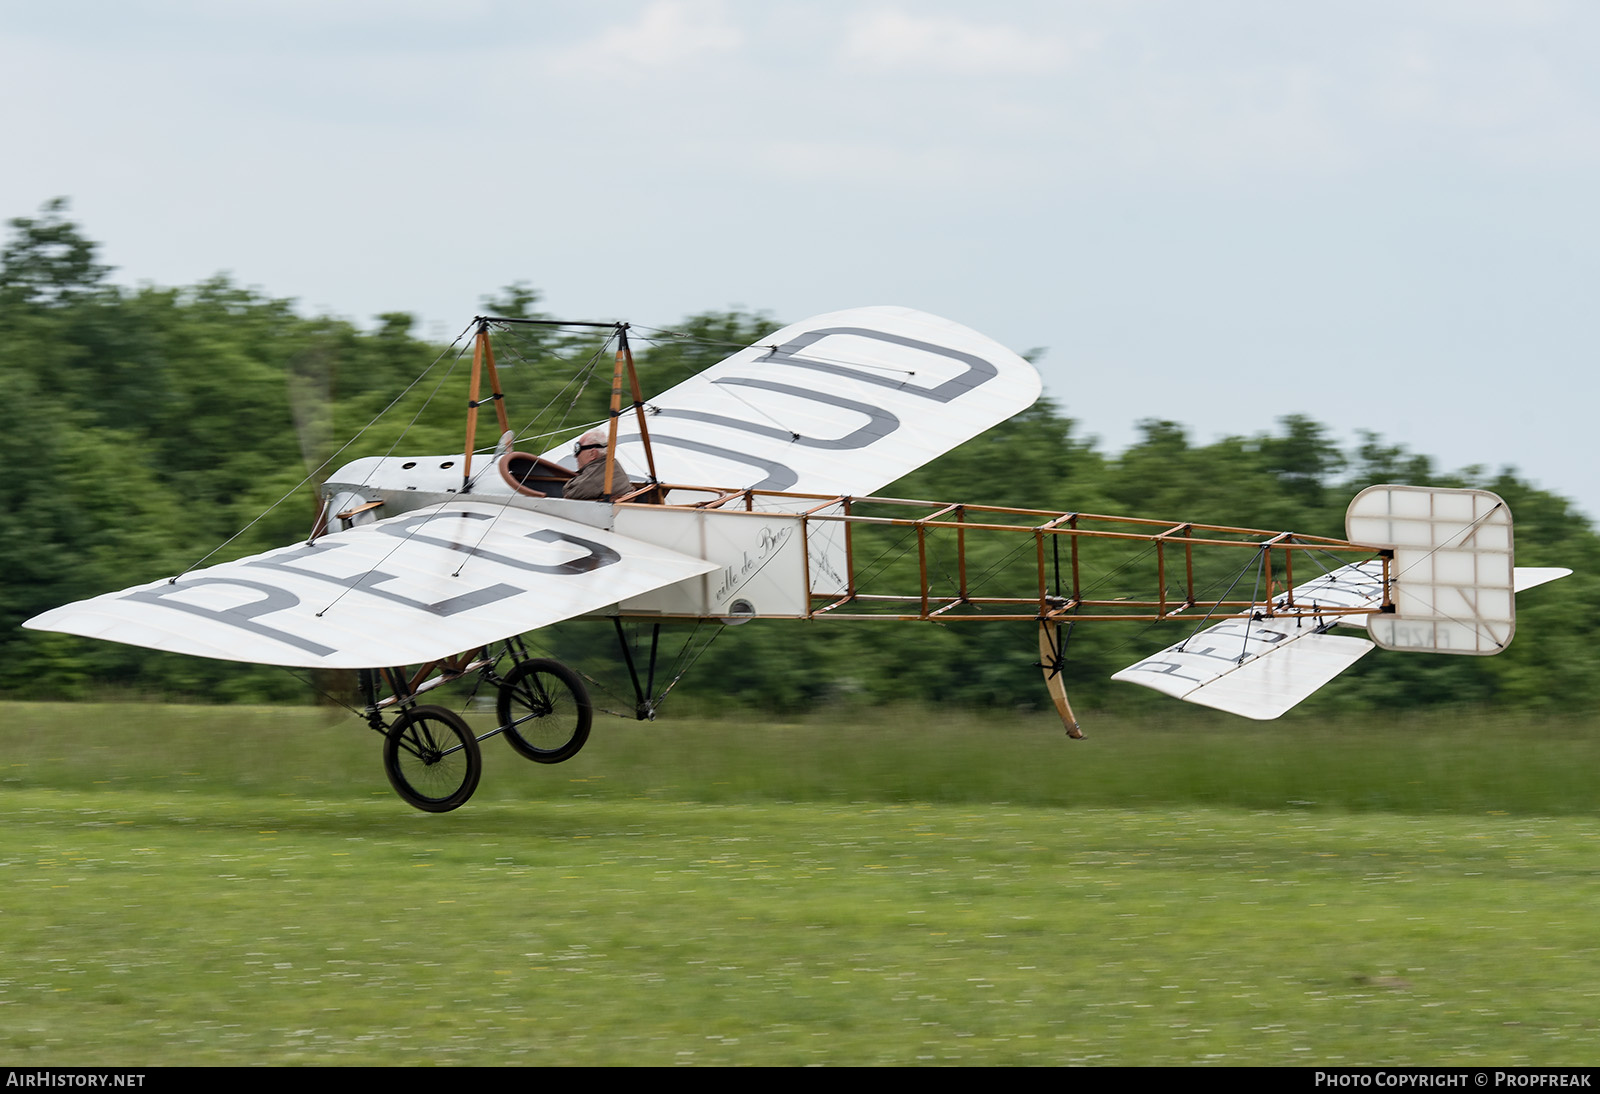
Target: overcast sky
{"points": [[1383, 215]]}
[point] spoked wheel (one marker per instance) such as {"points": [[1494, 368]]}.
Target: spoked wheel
{"points": [[432, 759], [544, 710]]}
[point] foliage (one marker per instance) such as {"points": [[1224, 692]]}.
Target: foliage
{"points": [[150, 425]]}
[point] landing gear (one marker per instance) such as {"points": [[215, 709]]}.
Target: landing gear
{"points": [[432, 759], [431, 755], [544, 710]]}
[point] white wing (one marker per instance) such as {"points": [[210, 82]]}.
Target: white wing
{"points": [[841, 404], [1227, 666], [410, 589]]}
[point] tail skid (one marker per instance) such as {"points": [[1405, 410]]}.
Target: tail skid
{"points": [[1052, 659]]}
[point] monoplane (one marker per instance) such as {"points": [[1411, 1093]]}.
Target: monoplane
{"points": [[751, 495]]}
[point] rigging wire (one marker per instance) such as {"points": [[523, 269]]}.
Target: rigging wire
{"points": [[732, 391], [1260, 559], [440, 508], [581, 377], [685, 660], [629, 705], [506, 503], [425, 404], [309, 681], [324, 465]]}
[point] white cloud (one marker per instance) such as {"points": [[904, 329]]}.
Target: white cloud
{"points": [[667, 34], [944, 44]]}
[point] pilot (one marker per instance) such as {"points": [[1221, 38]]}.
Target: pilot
{"points": [[589, 483]]}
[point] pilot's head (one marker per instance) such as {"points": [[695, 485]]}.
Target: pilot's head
{"points": [[590, 447]]}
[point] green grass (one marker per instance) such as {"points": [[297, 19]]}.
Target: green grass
{"points": [[186, 885]]}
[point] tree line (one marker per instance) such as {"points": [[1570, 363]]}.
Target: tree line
{"points": [[148, 425]]}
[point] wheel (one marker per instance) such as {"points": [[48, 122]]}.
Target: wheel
{"points": [[544, 710], [432, 759]]}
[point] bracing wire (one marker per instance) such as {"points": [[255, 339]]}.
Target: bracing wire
{"points": [[442, 507], [325, 463]]}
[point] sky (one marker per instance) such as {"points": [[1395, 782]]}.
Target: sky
{"points": [[1380, 215]]}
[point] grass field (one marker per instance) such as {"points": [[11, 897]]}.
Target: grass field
{"points": [[185, 885]]}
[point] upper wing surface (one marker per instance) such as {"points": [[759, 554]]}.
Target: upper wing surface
{"points": [[413, 588], [844, 403]]}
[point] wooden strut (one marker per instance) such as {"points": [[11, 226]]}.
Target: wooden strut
{"points": [[624, 368], [482, 354], [638, 413]]}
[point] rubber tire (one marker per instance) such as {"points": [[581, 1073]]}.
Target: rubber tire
{"points": [[444, 782], [544, 710]]}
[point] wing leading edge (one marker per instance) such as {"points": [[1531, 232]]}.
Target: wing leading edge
{"points": [[410, 589]]}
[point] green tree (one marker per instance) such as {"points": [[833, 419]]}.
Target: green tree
{"points": [[48, 262]]}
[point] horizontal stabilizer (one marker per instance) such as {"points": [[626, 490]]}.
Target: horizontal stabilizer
{"points": [[1261, 668], [407, 590], [1267, 687], [1531, 577]]}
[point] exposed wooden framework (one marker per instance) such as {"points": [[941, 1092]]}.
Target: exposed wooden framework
{"points": [[1058, 591], [623, 375], [482, 358]]}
